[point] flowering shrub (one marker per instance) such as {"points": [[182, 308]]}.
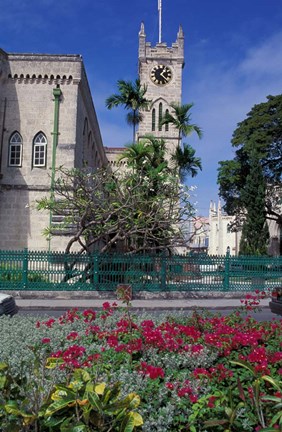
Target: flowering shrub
{"points": [[251, 302], [191, 373]]}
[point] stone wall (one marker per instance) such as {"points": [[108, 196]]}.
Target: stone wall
{"points": [[27, 106]]}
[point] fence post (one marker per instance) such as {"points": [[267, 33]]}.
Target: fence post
{"points": [[163, 272], [226, 270], [25, 269], [95, 270]]}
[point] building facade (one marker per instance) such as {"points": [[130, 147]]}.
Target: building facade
{"points": [[198, 234], [47, 119], [220, 236]]}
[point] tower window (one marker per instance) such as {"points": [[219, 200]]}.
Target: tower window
{"points": [[15, 150], [153, 120], [160, 115], [39, 150], [166, 125]]}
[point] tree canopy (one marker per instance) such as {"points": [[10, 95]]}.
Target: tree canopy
{"points": [[255, 234], [257, 137], [135, 210]]}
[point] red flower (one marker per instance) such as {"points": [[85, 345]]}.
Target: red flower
{"points": [[89, 315], [112, 341], [91, 359], [72, 335], [46, 340], [49, 323], [211, 401], [200, 372], [147, 324], [193, 398], [153, 372]]}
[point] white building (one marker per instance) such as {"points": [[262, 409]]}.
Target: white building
{"points": [[220, 236]]}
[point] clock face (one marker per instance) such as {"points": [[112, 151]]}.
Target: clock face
{"points": [[161, 74]]}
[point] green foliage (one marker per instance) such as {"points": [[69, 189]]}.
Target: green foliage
{"points": [[147, 158], [259, 385], [81, 405], [13, 273], [222, 405], [90, 406], [181, 120], [132, 97], [183, 158], [260, 135], [255, 233], [137, 210], [186, 161]]}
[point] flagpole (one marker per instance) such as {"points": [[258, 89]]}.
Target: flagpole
{"points": [[160, 20]]}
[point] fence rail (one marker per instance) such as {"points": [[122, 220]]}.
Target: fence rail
{"points": [[56, 271]]}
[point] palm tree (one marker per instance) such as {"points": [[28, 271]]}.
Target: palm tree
{"points": [[180, 119], [186, 161], [136, 154], [146, 154], [147, 159], [132, 96]]}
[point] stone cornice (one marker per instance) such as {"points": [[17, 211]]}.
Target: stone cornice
{"points": [[45, 57], [56, 79]]}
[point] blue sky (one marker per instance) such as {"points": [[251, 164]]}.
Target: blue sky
{"points": [[233, 52]]}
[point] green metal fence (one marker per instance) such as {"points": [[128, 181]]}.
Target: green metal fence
{"points": [[31, 270]]}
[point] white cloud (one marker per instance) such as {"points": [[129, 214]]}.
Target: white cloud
{"points": [[265, 60], [223, 95]]}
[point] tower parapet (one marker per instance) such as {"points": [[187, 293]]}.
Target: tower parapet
{"points": [[160, 70]]}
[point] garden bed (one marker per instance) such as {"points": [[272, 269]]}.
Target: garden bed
{"points": [[89, 371]]}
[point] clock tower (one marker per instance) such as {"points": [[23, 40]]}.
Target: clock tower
{"points": [[160, 69]]}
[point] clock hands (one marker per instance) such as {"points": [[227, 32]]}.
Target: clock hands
{"points": [[166, 78], [161, 75]]}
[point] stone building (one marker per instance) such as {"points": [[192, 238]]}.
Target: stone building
{"points": [[47, 119], [220, 237], [160, 69]]}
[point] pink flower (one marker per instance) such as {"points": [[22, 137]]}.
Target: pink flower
{"points": [[46, 340]]}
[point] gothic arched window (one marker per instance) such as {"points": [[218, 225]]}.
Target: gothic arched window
{"points": [[15, 150], [153, 120], [39, 150], [166, 125], [160, 115]]}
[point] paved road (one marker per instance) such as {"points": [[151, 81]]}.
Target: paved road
{"points": [[264, 315]]}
